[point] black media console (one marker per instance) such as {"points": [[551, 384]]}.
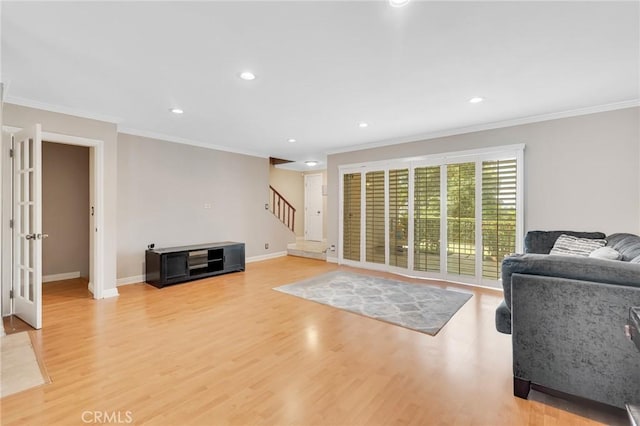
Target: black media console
{"points": [[175, 265]]}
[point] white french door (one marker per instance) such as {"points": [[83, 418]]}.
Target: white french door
{"points": [[27, 226]]}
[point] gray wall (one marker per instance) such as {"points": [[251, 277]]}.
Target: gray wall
{"points": [[581, 172], [163, 188], [65, 209]]}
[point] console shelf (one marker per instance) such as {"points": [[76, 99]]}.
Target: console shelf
{"points": [[173, 265]]}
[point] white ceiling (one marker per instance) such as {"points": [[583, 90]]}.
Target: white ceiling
{"points": [[321, 66]]}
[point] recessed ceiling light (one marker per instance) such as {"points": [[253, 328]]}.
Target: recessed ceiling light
{"points": [[363, 125], [311, 163], [247, 75], [476, 100], [398, 3], [176, 111], [291, 140]]}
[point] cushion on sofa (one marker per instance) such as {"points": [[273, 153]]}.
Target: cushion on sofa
{"points": [[568, 245], [627, 244], [606, 253], [542, 242]]}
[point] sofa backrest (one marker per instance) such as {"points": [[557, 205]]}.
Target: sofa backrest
{"points": [[541, 242], [626, 244]]}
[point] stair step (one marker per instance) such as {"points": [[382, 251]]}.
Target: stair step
{"points": [[307, 254]]}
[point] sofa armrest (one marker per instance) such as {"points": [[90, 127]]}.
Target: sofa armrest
{"points": [[570, 267], [568, 335]]}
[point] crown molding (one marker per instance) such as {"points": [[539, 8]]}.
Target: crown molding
{"points": [[184, 141], [386, 142], [127, 130], [490, 126], [15, 100], [11, 129]]}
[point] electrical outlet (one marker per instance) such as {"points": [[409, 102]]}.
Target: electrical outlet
{"points": [[333, 247], [266, 206], [266, 246]]}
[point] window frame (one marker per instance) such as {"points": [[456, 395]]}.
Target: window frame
{"points": [[442, 160]]}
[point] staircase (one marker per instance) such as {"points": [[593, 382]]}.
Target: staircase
{"points": [[286, 213], [282, 209], [309, 249]]}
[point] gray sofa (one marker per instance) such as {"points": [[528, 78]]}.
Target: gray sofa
{"points": [[567, 315]]}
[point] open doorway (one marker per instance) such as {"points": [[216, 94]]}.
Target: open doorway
{"points": [[23, 235], [66, 220]]}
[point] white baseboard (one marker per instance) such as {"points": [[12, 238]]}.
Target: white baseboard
{"points": [[140, 278], [60, 277], [106, 293], [109, 292], [265, 256], [130, 280], [331, 259]]}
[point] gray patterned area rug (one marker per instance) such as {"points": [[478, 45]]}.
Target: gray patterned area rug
{"points": [[416, 306]]}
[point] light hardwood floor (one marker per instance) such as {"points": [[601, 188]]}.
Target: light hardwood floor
{"points": [[230, 350]]}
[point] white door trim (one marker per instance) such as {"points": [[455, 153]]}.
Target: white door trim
{"points": [[307, 213], [96, 185], [6, 266]]}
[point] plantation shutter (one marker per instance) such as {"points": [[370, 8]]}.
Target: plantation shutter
{"points": [[398, 217], [426, 214], [374, 238], [498, 214], [461, 219], [456, 214], [351, 216]]}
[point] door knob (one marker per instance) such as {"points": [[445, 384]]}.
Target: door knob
{"points": [[42, 236], [30, 236]]}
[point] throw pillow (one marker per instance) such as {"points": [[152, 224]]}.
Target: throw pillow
{"points": [[566, 245], [606, 253]]}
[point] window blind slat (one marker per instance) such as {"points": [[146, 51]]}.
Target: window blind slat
{"points": [[461, 219], [398, 217], [351, 216], [374, 238], [426, 213], [499, 179]]}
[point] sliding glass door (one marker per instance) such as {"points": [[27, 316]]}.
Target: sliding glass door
{"points": [[451, 217], [375, 230], [426, 219], [499, 213], [351, 216], [461, 219], [398, 217]]}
